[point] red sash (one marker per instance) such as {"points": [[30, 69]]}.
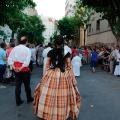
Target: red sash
{"points": [[18, 65]]}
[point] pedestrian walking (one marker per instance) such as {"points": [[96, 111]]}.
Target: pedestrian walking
{"points": [[19, 58], [56, 97]]}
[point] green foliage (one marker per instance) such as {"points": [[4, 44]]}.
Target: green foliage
{"points": [[2, 33], [11, 12], [10, 9], [33, 29], [80, 13], [66, 27]]}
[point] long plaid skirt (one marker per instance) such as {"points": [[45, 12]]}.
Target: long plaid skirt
{"points": [[56, 97]]}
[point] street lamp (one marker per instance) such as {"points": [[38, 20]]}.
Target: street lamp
{"points": [[85, 18]]}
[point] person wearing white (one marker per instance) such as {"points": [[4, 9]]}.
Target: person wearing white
{"points": [[44, 55], [19, 59], [20, 54], [67, 48], [116, 51], [76, 63], [117, 67]]}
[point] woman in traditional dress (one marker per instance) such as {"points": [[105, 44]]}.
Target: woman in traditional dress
{"points": [[56, 97]]}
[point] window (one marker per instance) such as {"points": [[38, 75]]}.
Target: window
{"points": [[98, 25], [90, 28]]}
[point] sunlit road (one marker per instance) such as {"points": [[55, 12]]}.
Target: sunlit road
{"points": [[100, 93]]}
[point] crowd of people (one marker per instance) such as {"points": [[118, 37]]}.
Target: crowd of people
{"points": [[100, 57], [61, 65], [58, 79]]}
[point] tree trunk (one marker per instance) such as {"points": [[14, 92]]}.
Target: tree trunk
{"points": [[12, 36], [117, 36]]}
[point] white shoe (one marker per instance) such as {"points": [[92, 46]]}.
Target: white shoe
{"points": [[1, 86]]}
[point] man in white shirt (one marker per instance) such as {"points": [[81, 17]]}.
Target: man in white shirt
{"points": [[44, 55], [19, 58]]}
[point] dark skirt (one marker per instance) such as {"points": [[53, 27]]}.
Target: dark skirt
{"points": [[93, 64]]}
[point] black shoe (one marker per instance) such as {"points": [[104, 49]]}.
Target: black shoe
{"points": [[18, 104], [30, 100]]}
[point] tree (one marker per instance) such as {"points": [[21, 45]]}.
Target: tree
{"points": [[66, 27], [82, 14], [33, 29], [9, 7], [110, 10], [81, 18], [11, 12]]}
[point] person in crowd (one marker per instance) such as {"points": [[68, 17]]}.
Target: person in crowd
{"points": [[36, 48], [85, 55], [19, 58], [3, 59], [56, 97], [34, 54], [80, 52], [111, 60], [94, 59], [40, 58], [116, 51], [106, 60], [76, 63], [100, 58], [9, 73], [89, 54], [44, 55], [8, 51], [74, 51], [32, 58], [117, 67], [67, 48]]}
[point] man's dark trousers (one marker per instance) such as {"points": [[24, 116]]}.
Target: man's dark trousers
{"points": [[25, 78]]}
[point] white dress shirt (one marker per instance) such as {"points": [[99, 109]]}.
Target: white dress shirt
{"points": [[20, 54]]}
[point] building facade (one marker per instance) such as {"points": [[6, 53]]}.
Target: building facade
{"points": [[69, 4], [99, 32], [50, 25]]}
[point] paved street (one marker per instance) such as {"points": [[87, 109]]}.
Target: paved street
{"points": [[100, 93]]}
